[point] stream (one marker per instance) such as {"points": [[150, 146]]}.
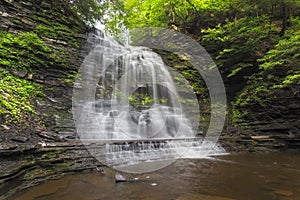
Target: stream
{"points": [[273, 176]]}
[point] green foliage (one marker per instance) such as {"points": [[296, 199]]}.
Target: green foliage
{"points": [[238, 117], [191, 15], [26, 50], [286, 53], [149, 13], [146, 13], [89, 10], [281, 64], [15, 96], [255, 43], [292, 79], [238, 44], [280, 69], [256, 94], [114, 19], [139, 100], [22, 51], [58, 31], [70, 78]]}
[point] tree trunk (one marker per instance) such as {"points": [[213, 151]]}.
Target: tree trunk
{"points": [[271, 20], [285, 17]]}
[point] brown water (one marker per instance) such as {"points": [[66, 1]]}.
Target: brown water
{"points": [[243, 177]]}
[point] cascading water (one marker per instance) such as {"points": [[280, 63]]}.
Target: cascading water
{"points": [[126, 98]]}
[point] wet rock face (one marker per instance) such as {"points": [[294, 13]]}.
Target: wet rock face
{"points": [[64, 34], [42, 145], [24, 15], [278, 119], [24, 165]]}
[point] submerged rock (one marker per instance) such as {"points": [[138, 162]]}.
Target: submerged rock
{"points": [[202, 197], [285, 193], [120, 178]]}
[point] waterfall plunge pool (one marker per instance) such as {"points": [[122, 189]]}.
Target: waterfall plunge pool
{"points": [[273, 176]]}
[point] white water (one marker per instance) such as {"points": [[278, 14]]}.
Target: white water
{"points": [[109, 76], [148, 151]]}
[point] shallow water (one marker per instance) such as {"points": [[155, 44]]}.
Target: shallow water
{"points": [[243, 176]]}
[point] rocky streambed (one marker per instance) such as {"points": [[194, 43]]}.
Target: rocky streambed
{"points": [[25, 165]]}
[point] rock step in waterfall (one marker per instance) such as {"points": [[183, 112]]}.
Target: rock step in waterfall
{"points": [[146, 151]]}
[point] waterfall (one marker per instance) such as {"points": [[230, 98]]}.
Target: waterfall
{"points": [[126, 97]]}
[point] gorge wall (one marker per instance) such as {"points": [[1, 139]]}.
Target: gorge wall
{"points": [[40, 43], [41, 49]]}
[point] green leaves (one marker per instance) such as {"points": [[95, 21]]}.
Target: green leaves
{"points": [[160, 13], [147, 13], [238, 44], [279, 75], [286, 53], [89, 10], [283, 61]]}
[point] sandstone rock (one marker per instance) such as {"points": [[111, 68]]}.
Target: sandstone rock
{"points": [[120, 178], [5, 127], [20, 74], [277, 127], [7, 146], [47, 135], [260, 137], [45, 5], [4, 14], [20, 139], [201, 197], [282, 192]]}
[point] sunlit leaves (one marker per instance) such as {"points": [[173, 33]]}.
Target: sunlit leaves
{"points": [[89, 10], [284, 55], [162, 13]]}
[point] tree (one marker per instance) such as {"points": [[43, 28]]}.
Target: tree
{"points": [[191, 16], [89, 10], [187, 14]]}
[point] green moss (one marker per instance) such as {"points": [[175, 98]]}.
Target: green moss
{"points": [[65, 166], [15, 96], [70, 78], [258, 95], [22, 51], [49, 155], [239, 67], [292, 79], [238, 117], [138, 99], [26, 51], [59, 32]]}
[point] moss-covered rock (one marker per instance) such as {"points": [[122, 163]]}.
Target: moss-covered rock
{"points": [[39, 57], [16, 97]]}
